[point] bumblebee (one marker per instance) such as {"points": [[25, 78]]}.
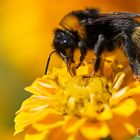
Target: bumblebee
{"points": [[89, 29]]}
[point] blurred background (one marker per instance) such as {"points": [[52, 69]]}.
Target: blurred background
{"points": [[26, 29]]}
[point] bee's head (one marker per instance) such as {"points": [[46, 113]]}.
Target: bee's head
{"points": [[64, 42]]}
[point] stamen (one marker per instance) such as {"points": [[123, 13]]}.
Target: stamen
{"points": [[92, 98], [71, 103], [118, 80]]}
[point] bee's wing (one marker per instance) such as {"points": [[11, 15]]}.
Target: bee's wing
{"points": [[119, 15], [111, 16], [123, 14]]}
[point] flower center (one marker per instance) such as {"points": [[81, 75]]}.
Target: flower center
{"points": [[84, 96]]}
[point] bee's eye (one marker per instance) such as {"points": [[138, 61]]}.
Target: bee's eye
{"points": [[63, 40]]}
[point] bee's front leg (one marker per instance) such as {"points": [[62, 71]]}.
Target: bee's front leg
{"points": [[83, 50]]}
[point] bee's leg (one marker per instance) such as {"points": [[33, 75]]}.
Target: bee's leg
{"points": [[83, 50], [98, 49], [131, 53]]}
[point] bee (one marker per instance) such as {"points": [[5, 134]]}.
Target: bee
{"points": [[89, 29]]}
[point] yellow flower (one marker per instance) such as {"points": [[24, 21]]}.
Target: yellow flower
{"points": [[81, 108]]}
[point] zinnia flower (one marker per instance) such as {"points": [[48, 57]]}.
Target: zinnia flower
{"points": [[106, 105]]}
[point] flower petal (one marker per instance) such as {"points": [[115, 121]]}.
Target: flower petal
{"points": [[105, 115], [52, 120], [77, 136], [35, 103], [119, 128], [95, 130], [57, 134], [21, 122], [75, 124], [33, 134], [130, 128], [126, 108], [42, 87]]}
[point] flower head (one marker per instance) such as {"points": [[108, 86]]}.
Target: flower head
{"points": [[80, 107]]}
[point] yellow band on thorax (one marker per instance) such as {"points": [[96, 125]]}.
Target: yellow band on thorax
{"points": [[72, 23]]}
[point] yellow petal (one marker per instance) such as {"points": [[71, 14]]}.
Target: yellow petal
{"points": [[35, 103], [105, 115], [75, 125], [21, 122], [126, 108], [42, 87], [25, 119], [57, 134], [135, 119], [52, 120], [77, 136], [42, 127], [48, 85], [118, 129], [95, 130], [32, 134], [130, 128], [28, 116]]}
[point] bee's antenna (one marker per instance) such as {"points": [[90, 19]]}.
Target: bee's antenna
{"points": [[47, 65]]}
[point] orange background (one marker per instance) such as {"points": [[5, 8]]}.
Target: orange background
{"points": [[25, 41]]}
